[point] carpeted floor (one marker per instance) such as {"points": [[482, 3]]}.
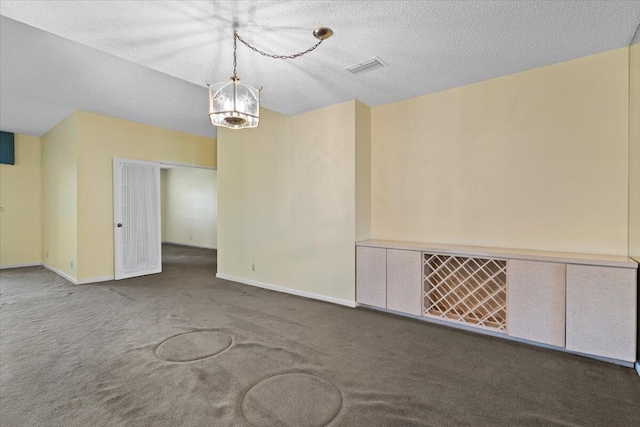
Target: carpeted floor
{"points": [[183, 348]]}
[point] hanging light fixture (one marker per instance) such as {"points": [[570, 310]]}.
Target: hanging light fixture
{"points": [[236, 105]]}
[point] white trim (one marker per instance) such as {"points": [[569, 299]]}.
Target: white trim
{"points": [[499, 335], [27, 264], [291, 291], [637, 365], [185, 244], [184, 165], [95, 280], [61, 274], [74, 281]]}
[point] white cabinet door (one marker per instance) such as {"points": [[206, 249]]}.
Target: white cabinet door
{"points": [[404, 281], [536, 301], [371, 276], [601, 311]]}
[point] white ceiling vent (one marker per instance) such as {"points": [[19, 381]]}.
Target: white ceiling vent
{"points": [[366, 66]]}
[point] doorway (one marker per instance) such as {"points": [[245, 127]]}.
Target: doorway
{"points": [[160, 203], [188, 210]]}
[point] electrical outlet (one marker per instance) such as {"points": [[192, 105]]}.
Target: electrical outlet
{"points": [[71, 264], [189, 237], [253, 267], [46, 254]]}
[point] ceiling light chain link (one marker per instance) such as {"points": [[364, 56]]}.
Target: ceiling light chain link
{"points": [[294, 56], [235, 56]]}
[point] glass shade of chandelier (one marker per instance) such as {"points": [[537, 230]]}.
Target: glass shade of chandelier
{"points": [[235, 104]]}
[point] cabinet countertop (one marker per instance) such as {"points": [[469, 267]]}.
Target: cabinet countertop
{"points": [[520, 254]]}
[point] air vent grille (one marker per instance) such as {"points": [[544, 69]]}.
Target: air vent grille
{"points": [[366, 66]]}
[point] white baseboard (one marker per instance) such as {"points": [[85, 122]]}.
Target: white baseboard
{"points": [[28, 264], [48, 267], [61, 274], [637, 366], [95, 280], [77, 282], [311, 295], [191, 246]]}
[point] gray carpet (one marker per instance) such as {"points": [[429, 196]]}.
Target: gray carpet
{"points": [[118, 354], [193, 346]]}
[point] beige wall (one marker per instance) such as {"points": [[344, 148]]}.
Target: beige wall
{"points": [[634, 152], [363, 171], [286, 193], [20, 199], [534, 160], [102, 138], [190, 207], [539, 160], [60, 197]]}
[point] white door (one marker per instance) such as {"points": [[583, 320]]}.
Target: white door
{"points": [[136, 203]]}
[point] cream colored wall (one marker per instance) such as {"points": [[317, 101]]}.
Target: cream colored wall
{"points": [[21, 202], [363, 171], [534, 160], [191, 207], [60, 197], [634, 152], [286, 193], [102, 138]]}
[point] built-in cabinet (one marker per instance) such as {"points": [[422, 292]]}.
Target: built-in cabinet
{"points": [[403, 281], [601, 311], [583, 303], [536, 301], [371, 275], [389, 278]]}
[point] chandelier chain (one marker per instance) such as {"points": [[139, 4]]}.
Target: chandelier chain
{"points": [[294, 56], [235, 104], [235, 56]]}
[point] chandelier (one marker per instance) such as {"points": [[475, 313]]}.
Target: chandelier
{"points": [[236, 105]]}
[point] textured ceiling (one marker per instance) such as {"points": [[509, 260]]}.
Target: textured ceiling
{"points": [[43, 78], [106, 63]]}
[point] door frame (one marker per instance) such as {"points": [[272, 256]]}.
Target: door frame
{"points": [[183, 165]]}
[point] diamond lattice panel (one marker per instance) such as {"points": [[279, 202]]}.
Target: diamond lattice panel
{"points": [[468, 290]]}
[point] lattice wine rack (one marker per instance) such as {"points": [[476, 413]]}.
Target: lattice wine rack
{"points": [[468, 290]]}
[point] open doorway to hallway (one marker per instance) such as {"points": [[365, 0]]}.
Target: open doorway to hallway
{"points": [[188, 209]]}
